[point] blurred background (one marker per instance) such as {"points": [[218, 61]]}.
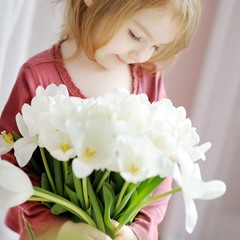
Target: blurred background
{"points": [[205, 80]]}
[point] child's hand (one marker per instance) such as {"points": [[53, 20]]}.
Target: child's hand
{"points": [[126, 233], [80, 231]]}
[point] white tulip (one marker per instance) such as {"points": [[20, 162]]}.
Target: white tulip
{"points": [[15, 185], [138, 159], [30, 123], [194, 187], [52, 90], [53, 134], [6, 142], [25, 146], [93, 142]]}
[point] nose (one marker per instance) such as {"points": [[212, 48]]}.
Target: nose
{"points": [[141, 55]]}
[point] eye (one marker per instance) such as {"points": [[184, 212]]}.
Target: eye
{"points": [[133, 36], [156, 48]]}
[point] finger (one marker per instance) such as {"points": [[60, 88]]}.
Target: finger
{"points": [[115, 223], [75, 236], [95, 233]]}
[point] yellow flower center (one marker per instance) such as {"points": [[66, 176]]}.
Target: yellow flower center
{"points": [[89, 152], [7, 137], [65, 147], [134, 169], [174, 159]]}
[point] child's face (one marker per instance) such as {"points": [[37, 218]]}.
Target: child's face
{"points": [[138, 40]]}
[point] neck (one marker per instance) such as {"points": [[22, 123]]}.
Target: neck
{"points": [[91, 78]]}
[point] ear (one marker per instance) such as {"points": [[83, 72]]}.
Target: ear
{"points": [[88, 2]]}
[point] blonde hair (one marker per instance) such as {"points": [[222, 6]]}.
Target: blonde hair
{"points": [[92, 27]]}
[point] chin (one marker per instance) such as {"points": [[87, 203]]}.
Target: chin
{"points": [[108, 63]]}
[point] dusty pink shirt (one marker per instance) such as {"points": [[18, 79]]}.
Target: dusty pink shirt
{"points": [[43, 70]]}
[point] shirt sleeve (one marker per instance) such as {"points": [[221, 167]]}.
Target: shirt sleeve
{"points": [[36, 214]]}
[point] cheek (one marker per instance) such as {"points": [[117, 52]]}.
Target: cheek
{"points": [[103, 57], [121, 42]]}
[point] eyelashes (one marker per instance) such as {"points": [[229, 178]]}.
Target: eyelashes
{"points": [[138, 39], [133, 36]]}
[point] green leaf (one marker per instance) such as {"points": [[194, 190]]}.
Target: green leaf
{"points": [[95, 207], [69, 181], [126, 199], [105, 178], [97, 178], [45, 185], [48, 204], [49, 159], [79, 190], [37, 167], [57, 209], [144, 190], [108, 196], [113, 197], [44, 182], [71, 194], [16, 135], [117, 182], [143, 185]]}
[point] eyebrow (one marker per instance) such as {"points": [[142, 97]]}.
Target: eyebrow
{"points": [[142, 28]]}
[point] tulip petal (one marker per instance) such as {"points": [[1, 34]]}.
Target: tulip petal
{"points": [[213, 189], [24, 150], [15, 185], [80, 169], [190, 213]]}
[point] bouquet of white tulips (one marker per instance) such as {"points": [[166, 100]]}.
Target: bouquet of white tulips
{"points": [[102, 158]]}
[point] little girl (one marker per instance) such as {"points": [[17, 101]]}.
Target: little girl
{"points": [[104, 44]]}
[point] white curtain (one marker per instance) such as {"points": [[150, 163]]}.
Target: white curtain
{"points": [[15, 29], [26, 28], [216, 115]]}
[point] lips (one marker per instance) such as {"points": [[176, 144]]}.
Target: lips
{"points": [[120, 60]]}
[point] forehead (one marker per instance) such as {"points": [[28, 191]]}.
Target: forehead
{"points": [[159, 23]]}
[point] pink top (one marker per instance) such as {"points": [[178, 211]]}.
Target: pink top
{"points": [[43, 69]]}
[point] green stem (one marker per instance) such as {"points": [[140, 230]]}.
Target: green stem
{"points": [[105, 176], [158, 197], [58, 176], [79, 190], [32, 237], [51, 197], [121, 194], [65, 170], [36, 199], [145, 203], [48, 172], [85, 192]]}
